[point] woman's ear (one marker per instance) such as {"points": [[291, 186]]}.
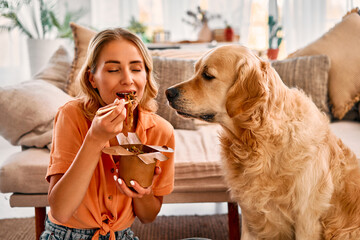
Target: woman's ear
{"points": [[249, 89], [91, 78]]}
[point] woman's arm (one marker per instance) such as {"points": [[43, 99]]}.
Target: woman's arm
{"points": [[147, 207], [66, 191]]}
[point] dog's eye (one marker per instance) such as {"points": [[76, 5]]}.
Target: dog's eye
{"points": [[207, 76]]}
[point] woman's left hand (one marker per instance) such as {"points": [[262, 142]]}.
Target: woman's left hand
{"points": [[140, 191]]}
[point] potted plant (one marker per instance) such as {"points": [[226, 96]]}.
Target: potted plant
{"points": [[275, 38], [138, 28], [40, 23], [201, 19]]}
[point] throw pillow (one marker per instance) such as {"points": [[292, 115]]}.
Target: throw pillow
{"points": [[28, 110], [309, 74], [57, 69], [82, 37], [341, 44], [167, 72]]}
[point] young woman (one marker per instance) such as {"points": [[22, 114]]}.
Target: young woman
{"points": [[87, 199]]}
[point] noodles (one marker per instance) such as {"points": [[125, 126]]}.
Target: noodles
{"points": [[130, 98]]}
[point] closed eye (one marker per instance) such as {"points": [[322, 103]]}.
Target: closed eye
{"points": [[207, 76], [113, 70]]}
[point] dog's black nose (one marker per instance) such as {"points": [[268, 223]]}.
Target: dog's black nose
{"points": [[172, 93]]}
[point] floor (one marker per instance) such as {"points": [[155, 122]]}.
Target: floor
{"points": [[6, 149]]}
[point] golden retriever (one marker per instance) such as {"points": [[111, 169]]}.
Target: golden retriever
{"points": [[291, 176]]}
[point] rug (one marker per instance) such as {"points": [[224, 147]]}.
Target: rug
{"points": [[213, 227]]}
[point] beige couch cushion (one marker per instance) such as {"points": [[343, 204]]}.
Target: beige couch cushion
{"points": [[309, 73], [25, 171], [341, 44], [197, 158], [28, 110]]}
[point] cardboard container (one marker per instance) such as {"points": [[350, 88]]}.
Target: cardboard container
{"points": [[139, 165]]}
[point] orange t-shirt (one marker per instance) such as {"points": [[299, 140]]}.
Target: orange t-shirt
{"points": [[103, 206]]}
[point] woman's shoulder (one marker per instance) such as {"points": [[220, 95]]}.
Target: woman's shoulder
{"points": [[72, 116], [72, 109], [74, 105]]}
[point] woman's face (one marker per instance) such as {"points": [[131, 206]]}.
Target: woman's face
{"points": [[120, 69]]}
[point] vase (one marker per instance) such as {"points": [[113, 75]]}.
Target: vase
{"points": [[272, 53], [40, 51], [205, 34]]}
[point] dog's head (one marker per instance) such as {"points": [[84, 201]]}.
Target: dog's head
{"points": [[228, 81]]}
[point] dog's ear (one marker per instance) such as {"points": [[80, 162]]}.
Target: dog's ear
{"points": [[250, 87]]}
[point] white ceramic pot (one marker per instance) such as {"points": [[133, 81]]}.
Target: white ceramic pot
{"points": [[40, 51]]}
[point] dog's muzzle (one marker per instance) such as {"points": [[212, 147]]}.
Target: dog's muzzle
{"points": [[172, 93]]}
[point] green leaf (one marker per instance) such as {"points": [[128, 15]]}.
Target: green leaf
{"points": [[43, 17]]}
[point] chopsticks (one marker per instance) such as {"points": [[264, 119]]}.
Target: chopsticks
{"points": [[103, 111]]}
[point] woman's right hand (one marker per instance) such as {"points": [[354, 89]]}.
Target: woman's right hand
{"points": [[109, 124]]}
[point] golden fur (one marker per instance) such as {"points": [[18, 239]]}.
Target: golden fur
{"points": [[291, 176]]}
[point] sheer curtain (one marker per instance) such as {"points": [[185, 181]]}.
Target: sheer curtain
{"points": [[113, 13], [306, 20], [303, 22]]}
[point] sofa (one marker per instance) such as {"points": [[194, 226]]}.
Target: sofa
{"points": [[198, 172]]}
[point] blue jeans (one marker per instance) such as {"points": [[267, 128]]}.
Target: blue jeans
{"points": [[58, 232]]}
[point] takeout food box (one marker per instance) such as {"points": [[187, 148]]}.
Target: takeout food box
{"points": [[135, 160]]}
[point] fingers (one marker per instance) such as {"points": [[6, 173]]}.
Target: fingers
{"points": [[111, 121], [139, 190], [157, 170], [108, 108], [124, 189], [113, 111]]}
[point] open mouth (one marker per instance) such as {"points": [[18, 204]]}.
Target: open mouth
{"points": [[126, 95], [204, 117], [207, 117], [186, 115]]}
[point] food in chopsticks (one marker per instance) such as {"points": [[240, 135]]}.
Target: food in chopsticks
{"points": [[131, 98], [129, 102]]}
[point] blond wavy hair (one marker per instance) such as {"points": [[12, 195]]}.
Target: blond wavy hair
{"points": [[90, 97]]}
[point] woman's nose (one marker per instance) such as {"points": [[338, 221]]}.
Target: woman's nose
{"points": [[126, 77]]}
